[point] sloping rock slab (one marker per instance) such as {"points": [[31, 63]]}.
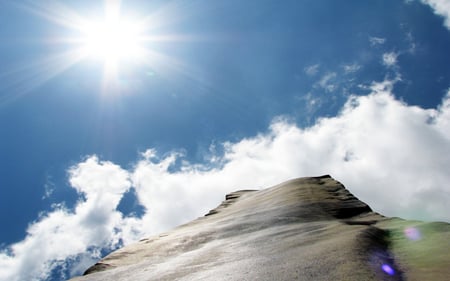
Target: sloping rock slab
{"points": [[303, 229]]}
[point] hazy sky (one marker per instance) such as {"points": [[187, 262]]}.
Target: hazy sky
{"points": [[121, 120]]}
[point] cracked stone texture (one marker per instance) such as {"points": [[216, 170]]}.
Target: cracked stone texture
{"points": [[303, 229]]}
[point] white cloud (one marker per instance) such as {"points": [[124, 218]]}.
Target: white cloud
{"points": [[442, 8], [328, 82], [393, 156], [376, 40], [49, 187], [63, 234], [351, 68], [312, 69], [390, 59]]}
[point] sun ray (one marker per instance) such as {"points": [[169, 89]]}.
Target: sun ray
{"points": [[54, 12], [34, 74], [110, 38]]}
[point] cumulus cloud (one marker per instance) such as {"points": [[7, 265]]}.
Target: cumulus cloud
{"points": [[389, 154], [442, 8], [63, 236]]}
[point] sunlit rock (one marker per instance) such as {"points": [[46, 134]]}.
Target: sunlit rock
{"points": [[303, 229]]}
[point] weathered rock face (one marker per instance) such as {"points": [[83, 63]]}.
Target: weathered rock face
{"points": [[303, 229]]}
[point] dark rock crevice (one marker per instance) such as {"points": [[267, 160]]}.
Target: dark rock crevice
{"points": [[99, 266], [374, 244]]}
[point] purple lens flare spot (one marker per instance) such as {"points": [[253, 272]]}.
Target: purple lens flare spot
{"points": [[388, 269], [412, 233]]}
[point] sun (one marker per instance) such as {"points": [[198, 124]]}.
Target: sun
{"points": [[119, 39], [112, 40]]}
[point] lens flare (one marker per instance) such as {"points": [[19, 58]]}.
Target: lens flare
{"points": [[388, 269], [412, 233]]}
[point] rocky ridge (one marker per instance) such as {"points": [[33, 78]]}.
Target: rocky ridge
{"points": [[303, 229]]}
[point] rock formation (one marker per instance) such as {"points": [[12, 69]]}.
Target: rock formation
{"points": [[303, 229]]}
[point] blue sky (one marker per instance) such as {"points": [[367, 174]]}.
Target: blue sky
{"points": [[106, 148]]}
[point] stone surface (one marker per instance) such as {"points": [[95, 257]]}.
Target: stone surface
{"points": [[303, 229]]}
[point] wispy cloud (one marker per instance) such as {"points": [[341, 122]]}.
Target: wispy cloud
{"points": [[328, 82], [49, 187], [389, 154], [312, 69], [442, 8], [390, 59], [351, 68], [376, 40]]}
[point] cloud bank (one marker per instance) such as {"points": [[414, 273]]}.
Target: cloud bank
{"points": [[389, 154]]}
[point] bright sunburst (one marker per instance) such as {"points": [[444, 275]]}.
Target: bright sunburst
{"points": [[112, 40], [109, 38]]}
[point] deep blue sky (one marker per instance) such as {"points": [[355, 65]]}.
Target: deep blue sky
{"points": [[240, 64]]}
